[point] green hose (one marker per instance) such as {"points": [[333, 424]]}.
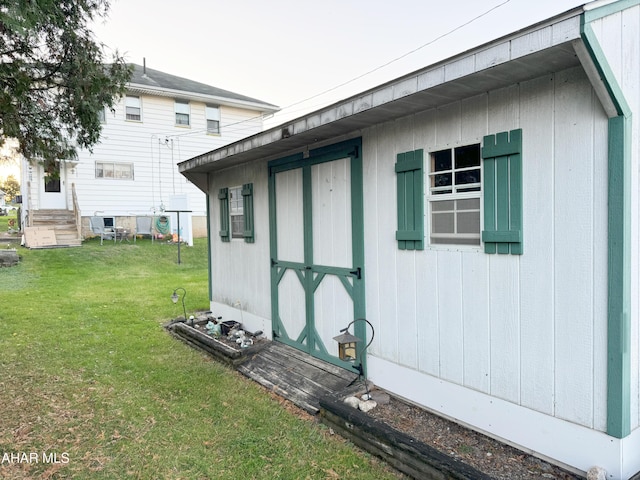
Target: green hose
{"points": [[162, 224]]}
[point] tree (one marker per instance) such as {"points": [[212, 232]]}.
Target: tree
{"points": [[11, 187], [54, 80]]}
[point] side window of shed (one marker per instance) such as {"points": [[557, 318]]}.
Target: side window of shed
{"points": [[409, 175], [236, 213], [502, 157], [454, 194]]}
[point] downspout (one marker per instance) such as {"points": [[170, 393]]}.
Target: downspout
{"points": [[619, 228]]}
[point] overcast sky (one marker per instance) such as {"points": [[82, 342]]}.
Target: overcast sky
{"points": [[286, 51]]}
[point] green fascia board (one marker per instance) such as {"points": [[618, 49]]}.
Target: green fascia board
{"points": [[600, 60], [619, 230], [609, 9]]}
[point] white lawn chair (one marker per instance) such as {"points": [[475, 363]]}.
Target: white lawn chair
{"points": [[98, 227], [144, 226]]}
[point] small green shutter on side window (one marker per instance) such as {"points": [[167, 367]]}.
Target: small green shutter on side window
{"points": [[247, 204], [502, 156], [223, 196], [409, 168]]}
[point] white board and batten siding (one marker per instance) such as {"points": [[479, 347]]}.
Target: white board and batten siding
{"points": [[156, 177], [530, 329], [619, 36], [240, 284]]}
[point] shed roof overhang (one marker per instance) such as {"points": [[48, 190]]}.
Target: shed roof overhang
{"points": [[538, 50]]}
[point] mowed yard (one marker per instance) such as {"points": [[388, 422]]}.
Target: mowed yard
{"points": [[92, 387]]}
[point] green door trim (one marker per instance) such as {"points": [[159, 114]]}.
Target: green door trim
{"points": [[310, 274]]}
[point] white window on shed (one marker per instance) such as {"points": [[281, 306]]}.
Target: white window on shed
{"points": [[133, 108], [213, 119], [236, 212], [182, 113], [454, 196]]}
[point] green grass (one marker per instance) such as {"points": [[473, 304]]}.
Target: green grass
{"points": [[86, 370], [4, 221]]}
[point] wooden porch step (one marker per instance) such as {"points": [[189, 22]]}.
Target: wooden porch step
{"points": [[63, 224], [295, 375]]}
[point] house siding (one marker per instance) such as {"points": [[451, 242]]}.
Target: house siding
{"points": [[488, 322], [156, 177], [240, 270]]}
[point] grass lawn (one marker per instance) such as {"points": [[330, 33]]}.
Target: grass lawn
{"points": [[90, 380], [4, 221]]}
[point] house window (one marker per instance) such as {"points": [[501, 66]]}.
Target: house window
{"points": [[213, 119], [236, 213], [102, 117], [454, 196], [133, 108], [182, 113], [116, 171]]}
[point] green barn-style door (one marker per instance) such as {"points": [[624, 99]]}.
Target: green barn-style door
{"points": [[317, 248]]}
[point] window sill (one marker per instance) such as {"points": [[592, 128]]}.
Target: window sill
{"points": [[455, 248]]}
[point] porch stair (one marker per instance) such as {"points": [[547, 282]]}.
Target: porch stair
{"points": [[295, 375], [62, 222]]}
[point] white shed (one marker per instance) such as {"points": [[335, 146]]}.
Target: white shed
{"points": [[482, 213]]}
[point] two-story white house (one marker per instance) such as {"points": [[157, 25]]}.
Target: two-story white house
{"points": [[162, 120]]}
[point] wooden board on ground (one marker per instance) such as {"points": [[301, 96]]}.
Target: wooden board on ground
{"points": [[39, 237], [295, 375]]}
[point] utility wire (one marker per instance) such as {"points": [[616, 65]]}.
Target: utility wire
{"points": [[431, 42], [401, 56]]}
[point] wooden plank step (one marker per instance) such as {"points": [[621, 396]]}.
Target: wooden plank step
{"points": [[291, 375], [267, 378], [305, 357], [295, 375], [315, 373]]}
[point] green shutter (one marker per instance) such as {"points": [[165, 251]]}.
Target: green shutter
{"points": [[502, 155], [410, 233], [223, 196], [247, 204]]}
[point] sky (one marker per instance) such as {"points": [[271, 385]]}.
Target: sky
{"points": [[303, 55]]}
